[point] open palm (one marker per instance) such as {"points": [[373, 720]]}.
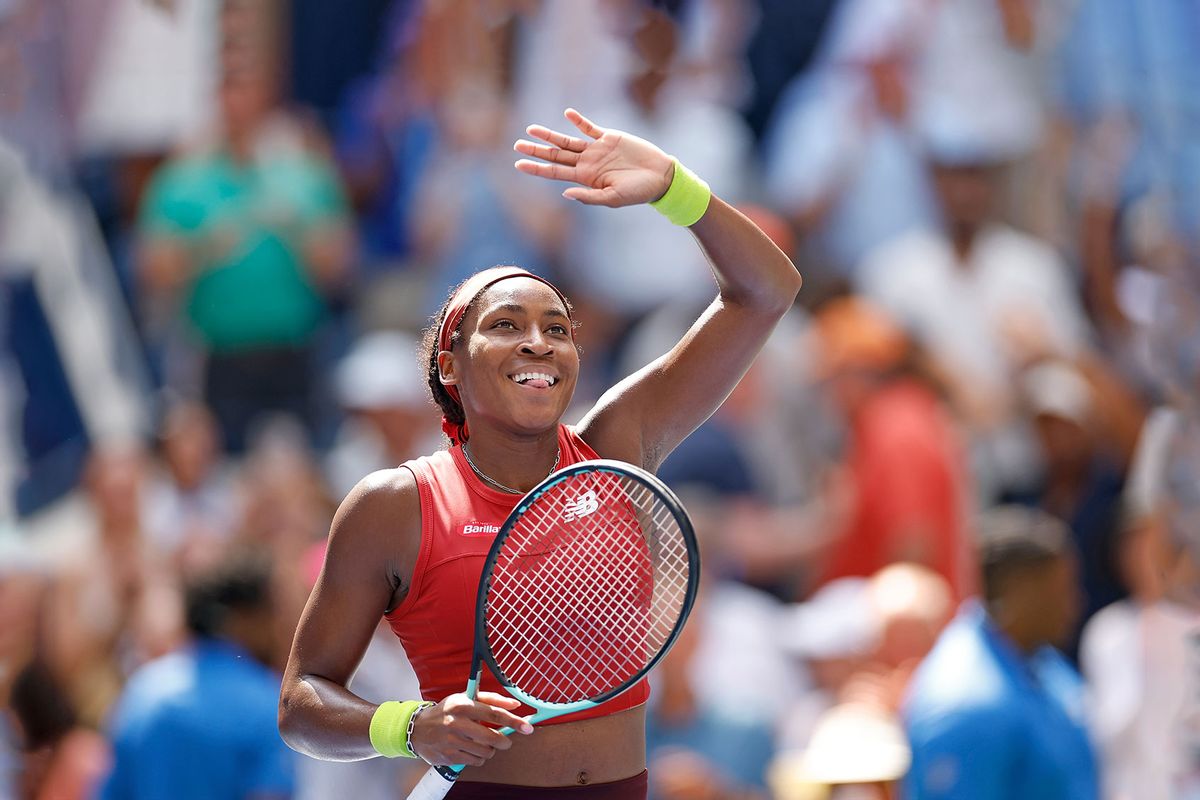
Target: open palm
{"points": [[612, 168]]}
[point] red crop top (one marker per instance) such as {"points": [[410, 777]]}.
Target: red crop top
{"points": [[460, 516]]}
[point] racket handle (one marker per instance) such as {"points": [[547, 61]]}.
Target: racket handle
{"points": [[435, 784]]}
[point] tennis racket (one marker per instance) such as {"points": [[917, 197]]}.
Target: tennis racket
{"points": [[585, 588]]}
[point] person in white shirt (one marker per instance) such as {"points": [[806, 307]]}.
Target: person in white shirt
{"points": [[983, 298], [1141, 656]]}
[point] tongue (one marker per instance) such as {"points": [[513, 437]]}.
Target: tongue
{"points": [[538, 383]]}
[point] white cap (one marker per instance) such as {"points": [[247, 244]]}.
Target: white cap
{"points": [[991, 128], [839, 621], [381, 371], [851, 743], [1056, 389]]}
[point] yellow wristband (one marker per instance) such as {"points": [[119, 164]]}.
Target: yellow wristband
{"points": [[390, 727], [686, 199]]}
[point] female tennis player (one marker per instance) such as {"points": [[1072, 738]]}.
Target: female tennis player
{"points": [[409, 543]]}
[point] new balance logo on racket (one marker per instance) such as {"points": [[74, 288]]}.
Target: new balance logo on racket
{"points": [[584, 505]]}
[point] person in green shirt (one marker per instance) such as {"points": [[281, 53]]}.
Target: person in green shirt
{"points": [[246, 238]]}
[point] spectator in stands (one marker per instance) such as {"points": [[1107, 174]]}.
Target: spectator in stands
{"points": [[982, 298], [62, 759], [1139, 654], [995, 711], [698, 749], [249, 236], [857, 752], [23, 585], [860, 641], [114, 602], [909, 498], [287, 509], [1081, 482], [200, 722], [192, 504]]}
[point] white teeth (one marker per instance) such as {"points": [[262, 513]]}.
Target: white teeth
{"points": [[521, 377]]}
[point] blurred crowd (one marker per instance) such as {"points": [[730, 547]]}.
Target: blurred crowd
{"points": [[950, 520]]}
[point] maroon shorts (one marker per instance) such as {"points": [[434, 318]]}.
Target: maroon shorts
{"points": [[635, 788]]}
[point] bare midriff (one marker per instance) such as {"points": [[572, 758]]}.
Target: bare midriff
{"points": [[597, 750]]}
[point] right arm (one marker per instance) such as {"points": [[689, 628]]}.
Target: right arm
{"points": [[373, 548], [361, 577]]}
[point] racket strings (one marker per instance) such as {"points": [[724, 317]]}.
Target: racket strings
{"points": [[587, 588], [535, 591], [548, 588]]}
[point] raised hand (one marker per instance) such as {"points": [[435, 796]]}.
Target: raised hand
{"points": [[612, 168]]}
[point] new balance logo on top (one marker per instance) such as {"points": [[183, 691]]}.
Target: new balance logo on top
{"points": [[480, 529], [581, 506]]}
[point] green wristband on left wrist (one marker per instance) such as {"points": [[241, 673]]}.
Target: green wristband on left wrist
{"points": [[686, 199], [391, 727]]}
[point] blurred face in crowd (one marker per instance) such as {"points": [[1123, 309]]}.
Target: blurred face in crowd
{"points": [[1041, 601], [474, 115], [286, 504], [889, 82], [189, 444], [1059, 587], [852, 387], [1180, 564], [247, 95], [967, 194], [858, 347], [250, 67], [114, 481], [257, 631], [1066, 445], [654, 44], [914, 603], [1143, 556], [401, 427]]}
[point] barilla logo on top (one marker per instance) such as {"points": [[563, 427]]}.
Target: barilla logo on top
{"points": [[480, 529], [585, 504]]}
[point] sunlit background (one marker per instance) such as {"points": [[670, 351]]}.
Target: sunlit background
{"points": [[224, 225]]}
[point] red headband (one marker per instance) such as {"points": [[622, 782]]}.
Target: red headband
{"points": [[455, 310]]}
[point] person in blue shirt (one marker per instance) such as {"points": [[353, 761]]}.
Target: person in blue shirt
{"points": [[200, 722], [995, 711]]}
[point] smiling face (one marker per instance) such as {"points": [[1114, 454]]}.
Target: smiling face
{"points": [[515, 363]]}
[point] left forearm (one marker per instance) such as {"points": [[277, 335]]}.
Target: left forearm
{"points": [[750, 269]]}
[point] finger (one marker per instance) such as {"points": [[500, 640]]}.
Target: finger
{"points": [[473, 754], [592, 197], [554, 154], [491, 714], [557, 172], [482, 736], [583, 123], [572, 143], [502, 700]]}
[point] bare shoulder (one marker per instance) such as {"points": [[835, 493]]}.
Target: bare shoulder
{"points": [[384, 492], [377, 527]]}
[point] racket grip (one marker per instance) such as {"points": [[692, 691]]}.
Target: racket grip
{"points": [[434, 785]]}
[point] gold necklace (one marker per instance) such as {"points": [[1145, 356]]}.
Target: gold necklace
{"points": [[497, 484]]}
